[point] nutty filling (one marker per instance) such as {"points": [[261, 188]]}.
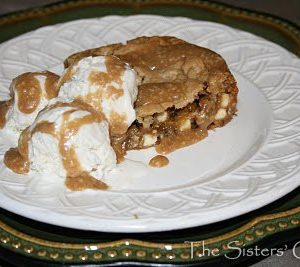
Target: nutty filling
{"points": [[174, 128]]}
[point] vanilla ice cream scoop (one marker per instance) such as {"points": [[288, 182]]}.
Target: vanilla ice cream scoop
{"points": [[30, 93], [69, 140], [105, 83]]}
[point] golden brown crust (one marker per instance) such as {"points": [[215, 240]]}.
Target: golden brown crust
{"points": [[171, 71], [99, 51], [184, 90], [157, 97]]}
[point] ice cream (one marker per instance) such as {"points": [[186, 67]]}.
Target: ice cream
{"points": [[71, 136], [30, 93], [67, 139], [105, 83]]}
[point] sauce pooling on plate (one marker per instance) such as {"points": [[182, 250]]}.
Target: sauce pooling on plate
{"points": [[159, 161]]}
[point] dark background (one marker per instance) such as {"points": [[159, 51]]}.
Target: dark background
{"points": [[288, 9]]}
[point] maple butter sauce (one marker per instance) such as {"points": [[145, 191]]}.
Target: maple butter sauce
{"points": [[44, 127], [51, 84], [4, 107], [115, 70], [28, 91], [67, 75], [159, 161], [77, 179], [17, 159], [180, 140]]}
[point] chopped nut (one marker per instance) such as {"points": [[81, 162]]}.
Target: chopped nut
{"points": [[221, 114], [149, 139], [163, 116], [225, 99], [186, 125], [146, 121], [139, 119]]}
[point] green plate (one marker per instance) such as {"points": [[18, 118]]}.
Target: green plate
{"points": [[25, 242]]}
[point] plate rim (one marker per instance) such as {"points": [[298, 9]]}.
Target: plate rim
{"points": [[246, 235], [287, 27], [134, 229]]}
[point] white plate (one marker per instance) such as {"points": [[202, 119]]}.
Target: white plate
{"points": [[251, 162]]}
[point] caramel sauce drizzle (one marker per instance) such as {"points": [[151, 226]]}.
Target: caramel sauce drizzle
{"points": [[4, 107], [186, 138], [17, 159], [29, 92], [113, 92], [67, 75], [77, 178], [84, 181], [51, 85], [23, 143], [44, 127], [16, 162], [67, 131], [159, 161], [119, 125], [28, 89], [93, 99], [115, 69], [120, 150]]}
